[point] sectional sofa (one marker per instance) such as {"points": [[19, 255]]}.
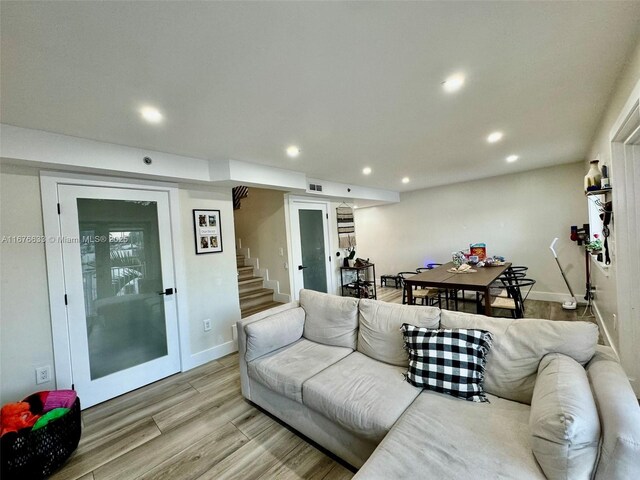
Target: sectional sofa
{"points": [[333, 368]]}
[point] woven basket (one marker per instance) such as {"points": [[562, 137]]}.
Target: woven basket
{"points": [[37, 454]]}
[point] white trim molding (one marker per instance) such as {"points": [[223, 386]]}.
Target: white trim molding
{"points": [[49, 182]]}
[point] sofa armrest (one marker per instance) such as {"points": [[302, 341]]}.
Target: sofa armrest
{"points": [[242, 339], [619, 417]]}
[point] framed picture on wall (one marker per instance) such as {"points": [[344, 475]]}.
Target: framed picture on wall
{"points": [[208, 232]]}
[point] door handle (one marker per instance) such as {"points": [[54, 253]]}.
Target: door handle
{"points": [[300, 267], [168, 291]]}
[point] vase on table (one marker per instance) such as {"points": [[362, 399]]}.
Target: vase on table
{"points": [[593, 177]]}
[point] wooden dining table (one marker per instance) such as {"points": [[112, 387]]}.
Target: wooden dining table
{"points": [[441, 277]]}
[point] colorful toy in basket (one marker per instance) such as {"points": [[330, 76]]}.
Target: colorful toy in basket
{"points": [[39, 434]]}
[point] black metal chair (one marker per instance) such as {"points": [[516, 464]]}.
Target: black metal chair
{"points": [[514, 301], [427, 296], [403, 276]]}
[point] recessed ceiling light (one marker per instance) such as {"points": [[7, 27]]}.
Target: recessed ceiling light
{"points": [[512, 158], [355, 207], [293, 151], [151, 114], [366, 170], [494, 137], [453, 83], [405, 180]]}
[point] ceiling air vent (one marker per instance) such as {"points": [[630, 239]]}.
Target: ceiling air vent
{"points": [[315, 187]]}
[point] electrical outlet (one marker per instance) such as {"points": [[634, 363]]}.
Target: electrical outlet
{"points": [[43, 374], [207, 324]]}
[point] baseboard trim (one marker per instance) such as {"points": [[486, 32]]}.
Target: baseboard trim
{"points": [[210, 354], [553, 297]]}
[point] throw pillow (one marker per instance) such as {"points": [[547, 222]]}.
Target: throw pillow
{"points": [[564, 422], [448, 361]]}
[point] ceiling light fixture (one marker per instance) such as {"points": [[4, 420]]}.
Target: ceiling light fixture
{"points": [[151, 114], [366, 170], [453, 83], [512, 158], [405, 180], [293, 151], [494, 137]]}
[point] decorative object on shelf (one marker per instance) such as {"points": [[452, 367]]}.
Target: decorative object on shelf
{"points": [[208, 231], [605, 181], [592, 180], [594, 245], [346, 226]]}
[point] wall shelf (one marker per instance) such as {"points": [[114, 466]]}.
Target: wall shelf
{"points": [[602, 191]]}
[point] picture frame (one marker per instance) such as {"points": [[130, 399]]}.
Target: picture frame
{"points": [[208, 231]]}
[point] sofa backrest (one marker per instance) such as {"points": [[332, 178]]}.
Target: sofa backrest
{"points": [[379, 335], [519, 345], [273, 332], [330, 319]]}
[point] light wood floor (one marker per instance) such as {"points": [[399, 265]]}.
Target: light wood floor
{"points": [[193, 425], [197, 425]]}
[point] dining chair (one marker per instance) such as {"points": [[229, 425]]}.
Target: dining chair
{"points": [[514, 301], [427, 296], [403, 276]]}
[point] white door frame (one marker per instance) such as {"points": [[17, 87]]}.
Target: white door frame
{"points": [[49, 182], [290, 200], [625, 169]]}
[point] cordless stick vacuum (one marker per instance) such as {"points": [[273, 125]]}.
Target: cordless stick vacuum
{"points": [[570, 304]]}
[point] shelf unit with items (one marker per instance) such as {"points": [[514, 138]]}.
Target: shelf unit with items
{"points": [[599, 225], [359, 282]]}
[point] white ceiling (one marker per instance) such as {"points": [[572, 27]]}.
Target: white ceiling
{"points": [[353, 84]]}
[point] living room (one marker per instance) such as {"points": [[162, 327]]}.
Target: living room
{"points": [[187, 101]]}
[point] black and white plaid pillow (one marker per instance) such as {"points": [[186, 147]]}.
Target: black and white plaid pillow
{"points": [[448, 361]]}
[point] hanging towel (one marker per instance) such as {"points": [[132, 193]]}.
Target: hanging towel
{"points": [[346, 227]]}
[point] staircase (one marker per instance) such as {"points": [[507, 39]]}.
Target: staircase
{"points": [[254, 297]]}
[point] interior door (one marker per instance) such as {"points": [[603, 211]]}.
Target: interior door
{"points": [[119, 281], [310, 246]]}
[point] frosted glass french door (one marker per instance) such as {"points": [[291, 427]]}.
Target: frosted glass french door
{"points": [[310, 246], [119, 281]]}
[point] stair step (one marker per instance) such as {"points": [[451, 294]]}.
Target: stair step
{"points": [[255, 297], [245, 273], [249, 285], [258, 308], [240, 260]]}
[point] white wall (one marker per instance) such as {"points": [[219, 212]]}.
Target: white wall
{"points": [[261, 227], [25, 322], [212, 288], [516, 215], [606, 289]]}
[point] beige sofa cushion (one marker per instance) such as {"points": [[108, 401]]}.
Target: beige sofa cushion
{"points": [[441, 437], [360, 394], [273, 332], [379, 334], [285, 370], [565, 429], [519, 345], [619, 417], [330, 319]]}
